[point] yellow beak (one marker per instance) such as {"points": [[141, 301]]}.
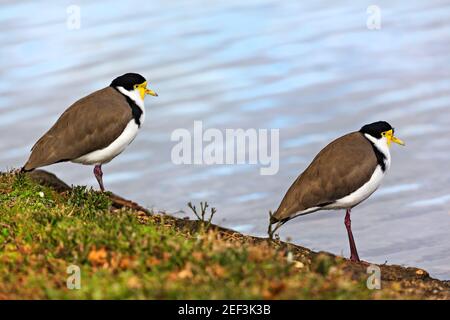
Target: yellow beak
{"points": [[151, 92], [143, 90], [391, 138], [397, 140]]}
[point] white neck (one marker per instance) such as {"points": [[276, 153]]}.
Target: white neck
{"points": [[133, 95], [382, 145]]}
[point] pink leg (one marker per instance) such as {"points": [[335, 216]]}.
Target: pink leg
{"points": [[348, 224], [99, 175]]}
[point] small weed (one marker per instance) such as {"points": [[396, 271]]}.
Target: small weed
{"points": [[322, 264], [201, 216], [21, 181], [88, 199]]}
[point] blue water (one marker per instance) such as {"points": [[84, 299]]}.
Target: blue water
{"points": [[310, 68]]}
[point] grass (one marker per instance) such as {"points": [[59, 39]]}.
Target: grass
{"points": [[124, 254]]}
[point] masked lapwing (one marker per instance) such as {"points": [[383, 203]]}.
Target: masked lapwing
{"points": [[96, 128], [342, 175]]}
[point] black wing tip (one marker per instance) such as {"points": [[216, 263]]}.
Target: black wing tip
{"points": [[25, 169], [274, 219]]}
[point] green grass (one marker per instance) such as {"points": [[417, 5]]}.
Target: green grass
{"points": [[124, 255]]}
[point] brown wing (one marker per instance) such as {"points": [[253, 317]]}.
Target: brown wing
{"points": [[339, 169], [91, 123]]}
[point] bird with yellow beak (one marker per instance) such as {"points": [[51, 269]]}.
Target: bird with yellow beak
{"points": [[342, 175], [96, 128]]}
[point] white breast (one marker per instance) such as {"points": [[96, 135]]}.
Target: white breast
{"points": [[362, 193], [370, 186], [126, 137], [354, 198], [114, 149]]}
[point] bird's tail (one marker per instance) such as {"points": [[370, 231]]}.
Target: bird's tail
{"points": [[275, 218], [27, 168]]}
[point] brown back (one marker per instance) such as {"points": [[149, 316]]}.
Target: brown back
{"points": [[339, 169], [91, 123]]}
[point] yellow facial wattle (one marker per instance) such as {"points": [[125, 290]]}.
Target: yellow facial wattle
{"points": [[142, 88]]}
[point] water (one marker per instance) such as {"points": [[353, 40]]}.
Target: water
{"points": [[312, 69]]}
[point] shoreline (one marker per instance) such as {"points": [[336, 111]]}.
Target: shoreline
{"points": [[335, 276]]}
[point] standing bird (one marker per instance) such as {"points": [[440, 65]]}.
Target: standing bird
{"points": [[342, 175], [96, 128]]}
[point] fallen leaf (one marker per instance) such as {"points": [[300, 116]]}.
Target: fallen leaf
{"points": [[197, 255], [98, 257], [152, 261], [134, 283], [186, 272]]}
